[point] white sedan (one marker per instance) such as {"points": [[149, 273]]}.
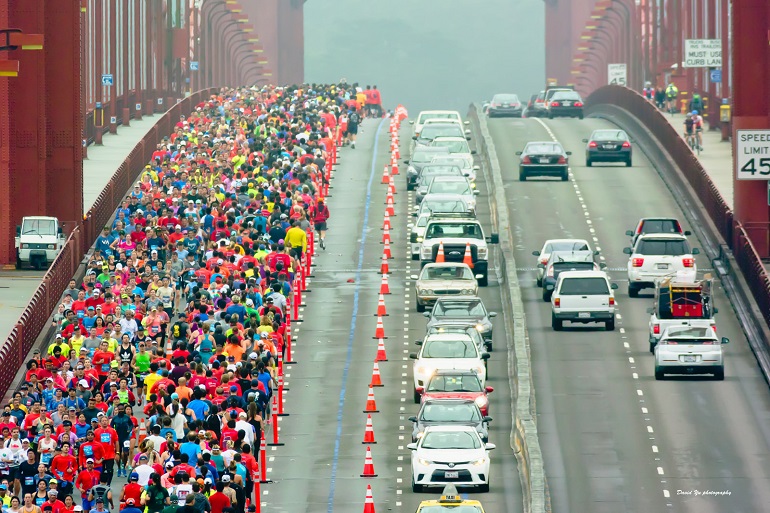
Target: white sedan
{"points": [[450, 454], [552, 245], [446, 351]]}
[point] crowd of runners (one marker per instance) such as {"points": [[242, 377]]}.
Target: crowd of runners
{"points": [[163, 366]]}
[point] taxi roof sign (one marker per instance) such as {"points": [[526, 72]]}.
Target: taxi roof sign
{"points": [[450, 494]]}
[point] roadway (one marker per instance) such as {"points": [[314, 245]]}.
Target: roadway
{"points": [[319, 467], [612, 437]]}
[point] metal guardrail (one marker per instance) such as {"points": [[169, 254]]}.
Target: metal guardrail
{"points": [[33, 321]]}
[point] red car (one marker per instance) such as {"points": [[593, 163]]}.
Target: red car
{"points": [[454, 384]]}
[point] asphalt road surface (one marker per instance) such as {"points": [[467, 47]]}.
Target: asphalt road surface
{"points": [[319, 467], [614, 439]]}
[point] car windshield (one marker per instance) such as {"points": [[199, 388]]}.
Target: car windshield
{"points": [[452, 412], [548, 148], [42, 227], [566, 95], [460, 187], [584, 287], [453, 146], [455, 272], [572, 266], [457, 383], [454, 348], [459, 309], [609, 135], [663, 247], [451, 440], [690, 331], [505, 98], [565, 246], [450, 509], [432, 131], [436, 115], [661, 226], [448, 206], [460, 230], [424, 156]]}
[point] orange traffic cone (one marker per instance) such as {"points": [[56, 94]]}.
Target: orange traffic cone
{"points": [[385, 236], [386, 222], [371, 404], [379, 331], [381, 356], [381, 311], [390, 209], [368, 464], [394, 167], [385, 176], [384, 270], [384, 287], [142, 431], [467, 258], [440, 255], [392, 186], [386, 250], [369, 502], [369, 433], [376, 377]]}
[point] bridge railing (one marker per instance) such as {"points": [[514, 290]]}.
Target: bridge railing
{"points": [[734, 233], [33, 321]]}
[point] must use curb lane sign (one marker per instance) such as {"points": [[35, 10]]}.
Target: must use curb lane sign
{"points": [[752, 151]]}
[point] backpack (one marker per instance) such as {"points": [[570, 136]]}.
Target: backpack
{"points": [[100, 492]]}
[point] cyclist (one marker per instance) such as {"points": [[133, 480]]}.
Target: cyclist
{"points": [[696, 102], [648, 92], [671, 93], [689, 129], [698, 124]]}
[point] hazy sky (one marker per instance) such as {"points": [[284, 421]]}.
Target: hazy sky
{"points": [[428, 53]]}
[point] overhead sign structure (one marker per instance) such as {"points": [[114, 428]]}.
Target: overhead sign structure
{"points": [[702, 53], [107, 80], [616, 74], [753, 154]]}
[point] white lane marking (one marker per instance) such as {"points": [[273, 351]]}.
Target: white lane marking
{"points": [[630, 359], [660, 470], [654, 448], [639, 392], [635, 375], [649, 429], [666, 493], [644, 410]]}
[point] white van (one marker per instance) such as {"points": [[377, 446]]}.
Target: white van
{"points": [[38, 240]]}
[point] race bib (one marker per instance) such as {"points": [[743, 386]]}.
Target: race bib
{"points": [[29, 481], [46, 458], [88, 450], [127, 444], [105, 438], [105, 367]]}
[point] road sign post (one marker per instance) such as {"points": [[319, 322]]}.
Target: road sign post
{"points": [[752, 154], [616, 74]]}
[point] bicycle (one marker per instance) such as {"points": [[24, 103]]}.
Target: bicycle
{"points": [[692, 142]]}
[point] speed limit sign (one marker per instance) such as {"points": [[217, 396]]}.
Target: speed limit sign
{"points": [[616, 74], [753, 154]]}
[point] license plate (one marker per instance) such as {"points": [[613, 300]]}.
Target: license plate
{"points": [[689, 358], [451, 475], [584, 315], [661, 266], [506, 105], [544, 161], [567, 104], [609, 147]]}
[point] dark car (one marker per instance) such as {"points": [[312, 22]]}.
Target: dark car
{"points": [[657, 225], [566, 261], [536, 106], [468, 309], [504, 105], [422, 156], [463, 412], [544, 158], [608, 146], [565, 104]]}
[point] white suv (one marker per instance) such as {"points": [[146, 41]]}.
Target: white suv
{"points": [[656, 256], [583, 297]]}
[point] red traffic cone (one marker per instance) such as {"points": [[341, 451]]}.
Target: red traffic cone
{"points": [[368, 464], [385, 236], [371, 404], [386, 250], [369, 433], [394, 167], [379, 332], [385, 176], [390, 209], [384, 270], [392, 186], [384, 287], [376, 378], [386, 222], [468, 258], [381, 311], [381, 356], [369, 502], [440, 255]]}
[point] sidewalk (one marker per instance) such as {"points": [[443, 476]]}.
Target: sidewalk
{"points": [[17, 287], [716, 157]]}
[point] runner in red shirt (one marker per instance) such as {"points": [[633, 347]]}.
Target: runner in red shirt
{"points": [[108, 437]]}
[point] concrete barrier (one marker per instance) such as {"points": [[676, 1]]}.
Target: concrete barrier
{"points": [[524, 438]]}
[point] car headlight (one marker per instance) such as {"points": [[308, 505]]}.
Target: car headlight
{"points": [[427, 253], [425, 371], [425, 291], [481, 401], [419, 239], [424, 463], [482, 252], [467, 291], [482, 328], [479, 462], [419, 435], [478, 370]]}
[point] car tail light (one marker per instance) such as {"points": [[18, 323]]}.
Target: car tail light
{"points": [[592, 144], [562, 160], [678, 227], [656, 329], [526, 160], [539, 100], [639, 229], [578, 104], [555, 104], [637, 262], [543, 261], [550, 272], [714, 327], [688, 262], [557, 302], [626, 144], [612, 301], [493, 104]]}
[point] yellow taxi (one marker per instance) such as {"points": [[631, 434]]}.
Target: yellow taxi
{"points": [[450, 502]]}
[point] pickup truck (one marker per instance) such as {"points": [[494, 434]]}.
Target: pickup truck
{"points": [[680, 303]]}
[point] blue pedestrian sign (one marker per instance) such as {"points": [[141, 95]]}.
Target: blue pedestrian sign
{"points": [[716, 76], [193, 65], [107, 80]]}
